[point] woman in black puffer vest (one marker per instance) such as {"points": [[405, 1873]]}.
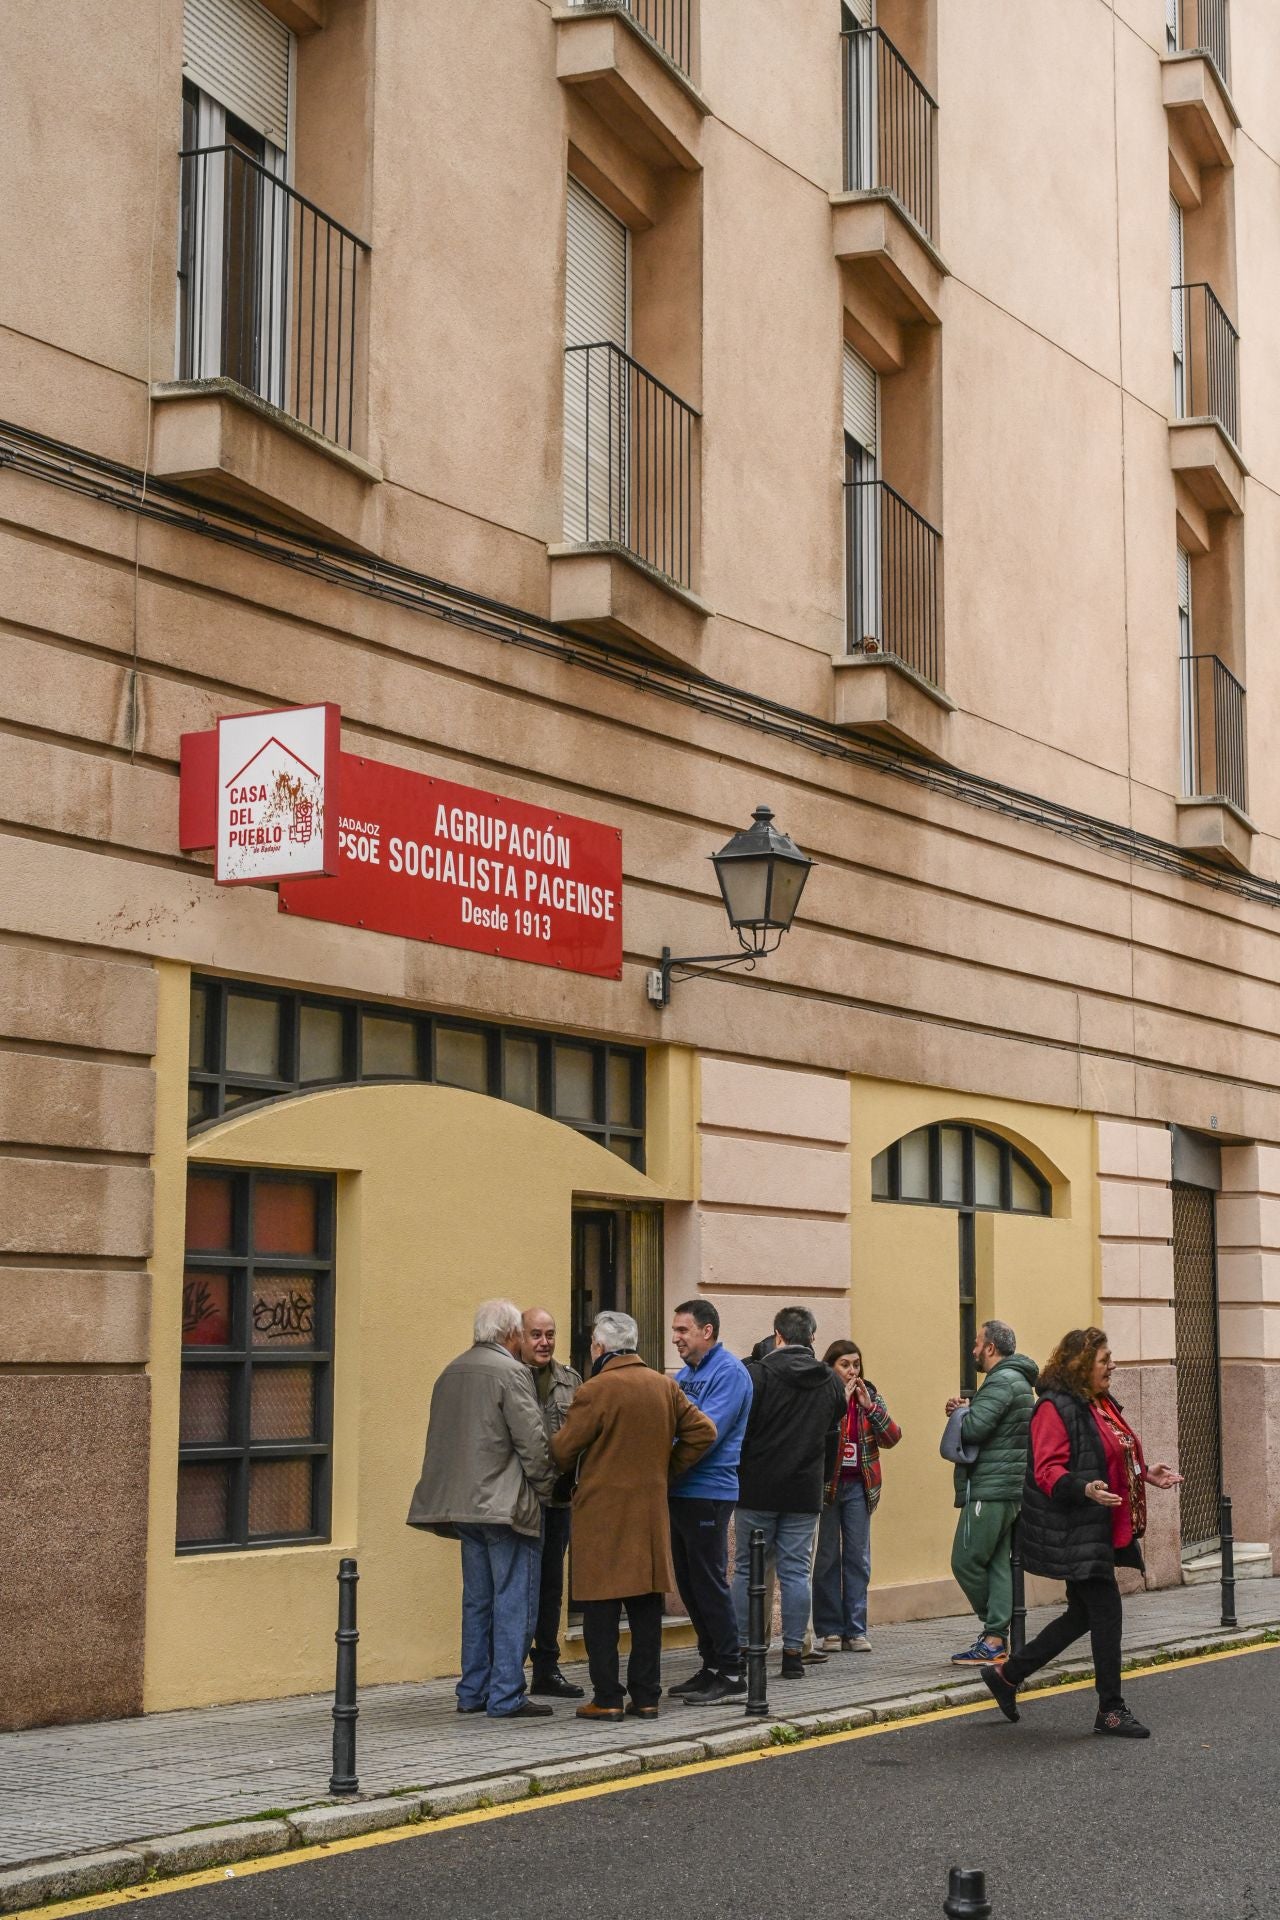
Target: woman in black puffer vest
{"points": [[1084, 1511]]}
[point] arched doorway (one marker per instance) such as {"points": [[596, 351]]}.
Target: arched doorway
{"points": [[971, 1170]]}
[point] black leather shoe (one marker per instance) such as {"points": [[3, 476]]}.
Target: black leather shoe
{"points": [[556, 1687], [792, 1666], [527, 1710], [482, 1708]]}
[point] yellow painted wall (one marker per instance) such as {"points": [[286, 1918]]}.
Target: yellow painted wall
{"points": [[444, 1199], [1038, 1274]]}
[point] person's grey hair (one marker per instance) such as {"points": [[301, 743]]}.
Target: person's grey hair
{"points": [[1001, 1336], [616, 1332], [496, 1320]]}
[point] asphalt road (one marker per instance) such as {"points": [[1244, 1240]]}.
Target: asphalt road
{"points": [[1067, 1827]]}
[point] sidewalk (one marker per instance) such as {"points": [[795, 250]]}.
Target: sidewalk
{"points": [[67, 1790]]}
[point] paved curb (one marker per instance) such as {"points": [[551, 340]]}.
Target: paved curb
{"points": [[228, 1845]]}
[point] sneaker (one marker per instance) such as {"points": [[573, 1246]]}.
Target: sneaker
{"points": [[834, 1644], [983, 1653], [689, 1689], [858, 1643], [1002, 1691], [792, 1664], [724, 1686], [1119, 1721]]}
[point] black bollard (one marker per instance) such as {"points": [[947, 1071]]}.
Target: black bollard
{"points": [[1228, 1563], [966, 1895], [757, 1632], [1018, 1622], [345, 1711]]}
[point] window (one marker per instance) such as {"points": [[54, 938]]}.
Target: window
{"points": [[1178, 302], [232, 263], [959, 1166], [255, 1422], [250, 1044], [863, 597], [1186, 674], [974, 1172], [597, 335]]}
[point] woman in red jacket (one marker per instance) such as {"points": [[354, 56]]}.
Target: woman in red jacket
{"points": [[1084, 1511], [842, 1567]]}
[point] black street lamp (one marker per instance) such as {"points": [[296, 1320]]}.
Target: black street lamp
{"points": [[761, 874]]}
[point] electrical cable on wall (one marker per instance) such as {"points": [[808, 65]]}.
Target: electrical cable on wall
{"points": [[60, 464]]}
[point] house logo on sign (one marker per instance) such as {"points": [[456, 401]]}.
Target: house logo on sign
{"points": [[273, 781]]}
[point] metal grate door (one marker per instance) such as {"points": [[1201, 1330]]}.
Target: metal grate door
{"points": [[1195, 1300]]}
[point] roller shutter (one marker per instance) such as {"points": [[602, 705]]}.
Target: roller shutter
{"points": [[861, 401], [596, 395], [238, 54]]}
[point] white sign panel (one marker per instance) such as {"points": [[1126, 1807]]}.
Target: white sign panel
{"points": [[277, 812]]}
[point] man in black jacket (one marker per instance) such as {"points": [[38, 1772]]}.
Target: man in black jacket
{"points": [[788, 1455]]}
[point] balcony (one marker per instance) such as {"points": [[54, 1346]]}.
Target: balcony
{"points": [[888, 682], [632, 485], [1204, 28], [632, 61], [1213, 815], [1196, 83], [266, 407], [885, 221], [1204, 435]]}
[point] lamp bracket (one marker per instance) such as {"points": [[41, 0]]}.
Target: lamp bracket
{"points": [[693, 966]]}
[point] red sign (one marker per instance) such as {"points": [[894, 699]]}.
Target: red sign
{"points": [[429, 860]]}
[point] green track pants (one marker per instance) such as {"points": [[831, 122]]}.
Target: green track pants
{"points": [[980, 1561]]}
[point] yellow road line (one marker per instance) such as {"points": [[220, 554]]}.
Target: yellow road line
{"points": [[420, 1830]]}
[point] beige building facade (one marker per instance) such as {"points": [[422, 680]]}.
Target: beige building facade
{"points": [[640, 412]]}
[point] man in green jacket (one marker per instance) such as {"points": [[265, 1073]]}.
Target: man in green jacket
{"points": [[989, 1492]]}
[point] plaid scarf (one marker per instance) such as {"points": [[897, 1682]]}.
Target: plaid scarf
{"points": [[1111, 1417]]}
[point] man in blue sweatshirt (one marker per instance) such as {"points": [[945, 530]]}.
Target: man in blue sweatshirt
{"points": [[702, 1500]]}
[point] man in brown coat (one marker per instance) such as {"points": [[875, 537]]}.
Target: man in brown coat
{"points": [[630, 1430]]}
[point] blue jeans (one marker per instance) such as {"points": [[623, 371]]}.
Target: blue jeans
{"points": [[790, 1538], [842, 1570], [500, 1570]]}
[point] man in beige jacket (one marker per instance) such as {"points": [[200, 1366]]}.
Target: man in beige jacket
{"points": [[486, 1472]]}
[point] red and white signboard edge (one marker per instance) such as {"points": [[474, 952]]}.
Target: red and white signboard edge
{"points": [[329, 783]]}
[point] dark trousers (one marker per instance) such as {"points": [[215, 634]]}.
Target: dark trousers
{"points": [[601, 1623], [545, 1653], [700, 1556], [1093, 1607]]}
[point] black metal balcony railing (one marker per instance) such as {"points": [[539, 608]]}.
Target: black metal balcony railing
{"points": [[888, 126], [269, 290], [631, 449], [1204, 26], [667, 22], [1214, 752], [892, 566], [1205, 359]]}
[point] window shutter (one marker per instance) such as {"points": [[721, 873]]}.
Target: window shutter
{"points": [[238, 53], [1184, 581], [857, 13], [1171, 24], [861, 400], [596, 396], [1175, 244], [595, 288]]}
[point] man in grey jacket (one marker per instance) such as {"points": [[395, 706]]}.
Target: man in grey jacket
{"points": [[486, 1472]]}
